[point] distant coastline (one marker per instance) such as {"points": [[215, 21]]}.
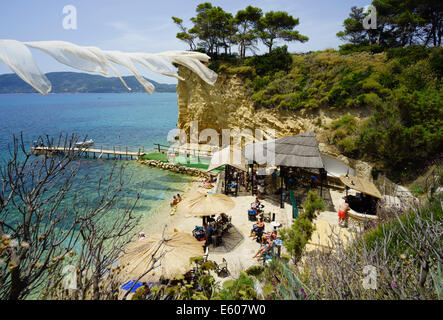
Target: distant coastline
{"points": [[76, 82]]}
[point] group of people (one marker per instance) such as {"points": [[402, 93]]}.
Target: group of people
{"points": [[207, 183], [258, 232], [267, 241], [213, 226], [175, 200]]}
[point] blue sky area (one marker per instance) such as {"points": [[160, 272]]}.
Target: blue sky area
{"points": [[146, 25]]}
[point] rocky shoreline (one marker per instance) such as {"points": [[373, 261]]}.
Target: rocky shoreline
{"points": [[175, 168]]}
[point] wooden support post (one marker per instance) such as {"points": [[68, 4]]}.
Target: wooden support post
{"points": [[120, 150], [113, 147], [282, 205]]}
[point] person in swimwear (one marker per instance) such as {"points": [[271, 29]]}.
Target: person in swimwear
{"points": [[342, 214], [260, 224], [174, 201], [264, 248]]}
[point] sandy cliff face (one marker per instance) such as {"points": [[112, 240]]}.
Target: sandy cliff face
{"points": [[227, 105]]}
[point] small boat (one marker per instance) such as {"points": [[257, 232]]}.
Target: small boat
{"points": [[85, 144]]}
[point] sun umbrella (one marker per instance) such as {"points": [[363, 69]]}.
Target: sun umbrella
{"points": [[205, 204], [173, 252]]}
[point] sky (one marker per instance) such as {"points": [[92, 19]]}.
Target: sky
{"points": [[146, 25]]}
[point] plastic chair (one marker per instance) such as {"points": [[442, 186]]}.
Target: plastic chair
{"points": [[222, 269]]}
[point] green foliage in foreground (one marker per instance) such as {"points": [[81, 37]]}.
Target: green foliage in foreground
{"points": [[403, 226]]}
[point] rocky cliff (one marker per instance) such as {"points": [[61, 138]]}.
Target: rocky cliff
{"points": [[227, 105]]}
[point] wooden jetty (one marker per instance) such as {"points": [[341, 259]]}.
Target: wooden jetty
{"points": [[122, 152], [96, 153]]}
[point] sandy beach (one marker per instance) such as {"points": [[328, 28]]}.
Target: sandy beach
{"points": [[240, 256]]}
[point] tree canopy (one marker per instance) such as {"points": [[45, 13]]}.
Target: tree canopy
{"points": [[278, 25], [399, 23], [217, 30]]}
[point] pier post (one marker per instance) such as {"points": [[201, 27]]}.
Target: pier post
{"points": [[120, 150], [113, 148]]}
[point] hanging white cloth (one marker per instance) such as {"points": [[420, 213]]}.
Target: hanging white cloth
{"points": [[18, 58]]}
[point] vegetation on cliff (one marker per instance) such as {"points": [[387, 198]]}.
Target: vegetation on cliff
{"points": [[391, 72], [401, 88]]}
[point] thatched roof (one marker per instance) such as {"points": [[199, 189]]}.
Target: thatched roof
{"points": [[361, 185], [228, 156], [294, 151]]}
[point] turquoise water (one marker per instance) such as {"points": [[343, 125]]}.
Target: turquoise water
{"points": [[136, 119]]}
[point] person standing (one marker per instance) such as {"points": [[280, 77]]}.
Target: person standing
{"points": [[259, 191], [343, 214]]}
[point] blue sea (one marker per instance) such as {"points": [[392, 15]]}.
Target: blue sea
{"points": [[135, 119]]}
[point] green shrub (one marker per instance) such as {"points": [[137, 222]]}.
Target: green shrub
{"points": [[297, 236], [267, 64], [244, 71], [347, 122], [240, 289], [417, 190], [408, 55], [260, 82]]}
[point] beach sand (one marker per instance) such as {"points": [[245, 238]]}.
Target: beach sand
{"points": [[240, 257]]}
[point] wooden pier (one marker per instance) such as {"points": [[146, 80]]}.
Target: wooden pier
{"points": [[117, 152]]}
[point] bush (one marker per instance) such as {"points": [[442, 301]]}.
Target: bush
{"points": [[297, 236], [267, 64], [244, 71], [350, 48], [408, 55], [404, 252]]}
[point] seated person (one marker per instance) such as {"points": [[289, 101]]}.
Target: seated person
{"points": [[179, 198], [208, 232], [141, 236], [222, 218], [174, 201], [265, 248], [256, 204], [314, 181], [259, 225], [199, 233], [272, 235], [207, 184]]}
